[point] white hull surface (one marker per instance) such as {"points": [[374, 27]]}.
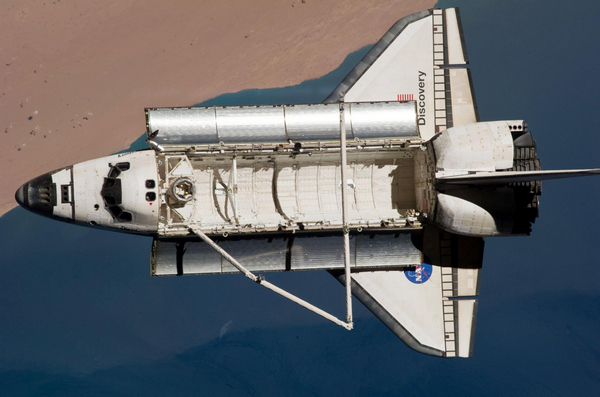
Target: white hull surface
{"points": [[391, 185], [273, 192]]}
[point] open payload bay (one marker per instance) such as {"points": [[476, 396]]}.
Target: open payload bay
{"points": [[287, 191]]}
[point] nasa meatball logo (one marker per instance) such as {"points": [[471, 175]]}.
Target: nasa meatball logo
{"points": [[421, 274]]}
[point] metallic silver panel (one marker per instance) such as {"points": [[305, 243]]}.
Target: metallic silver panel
{"points": [[279, 124], [198, 258], [164, 259], [251, 124], [309, 253], [265, 255], [183, 126], [270, 254], [194, 256], [383, 120], [314, 122], [386, 250]]}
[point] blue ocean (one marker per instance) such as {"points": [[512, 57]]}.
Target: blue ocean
{"points": [[80, 314]]}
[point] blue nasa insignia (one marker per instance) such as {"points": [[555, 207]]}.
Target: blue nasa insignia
{"points": [[421, 274]]}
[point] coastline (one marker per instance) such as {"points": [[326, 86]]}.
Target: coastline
{"points": [[78, 74]]}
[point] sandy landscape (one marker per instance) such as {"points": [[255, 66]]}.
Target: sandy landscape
{"points": [[77, 74]]}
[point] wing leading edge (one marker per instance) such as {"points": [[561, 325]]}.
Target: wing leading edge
{"points": [[432, 307], [423, 58]]}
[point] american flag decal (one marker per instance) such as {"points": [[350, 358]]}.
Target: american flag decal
{"points": [[405, 97]]}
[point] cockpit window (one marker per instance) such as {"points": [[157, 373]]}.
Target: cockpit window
{"points": [[125, 216], [108, 201], [115, 210], [112, 194], [115, 170], [119, 214], [111, 191]]}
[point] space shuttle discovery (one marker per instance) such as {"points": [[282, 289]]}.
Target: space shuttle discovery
{"points": [[391, 185]]}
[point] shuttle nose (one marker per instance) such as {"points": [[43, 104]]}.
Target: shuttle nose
{"points": [[38, 195], [20, 195]]}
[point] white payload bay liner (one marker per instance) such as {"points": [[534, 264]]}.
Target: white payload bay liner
{"points": [[395, 161]]}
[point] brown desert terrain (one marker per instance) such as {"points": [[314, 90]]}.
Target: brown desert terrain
{"points": [[77, 74]]}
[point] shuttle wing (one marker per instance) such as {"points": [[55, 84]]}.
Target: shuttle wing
{"points": [[433, 307], [421, 58]]}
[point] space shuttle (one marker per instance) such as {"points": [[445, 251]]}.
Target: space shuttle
{"points": [[391, 185]]}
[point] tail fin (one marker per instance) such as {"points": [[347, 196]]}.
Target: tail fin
{"points": [[506, 177], [423, 58]]}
